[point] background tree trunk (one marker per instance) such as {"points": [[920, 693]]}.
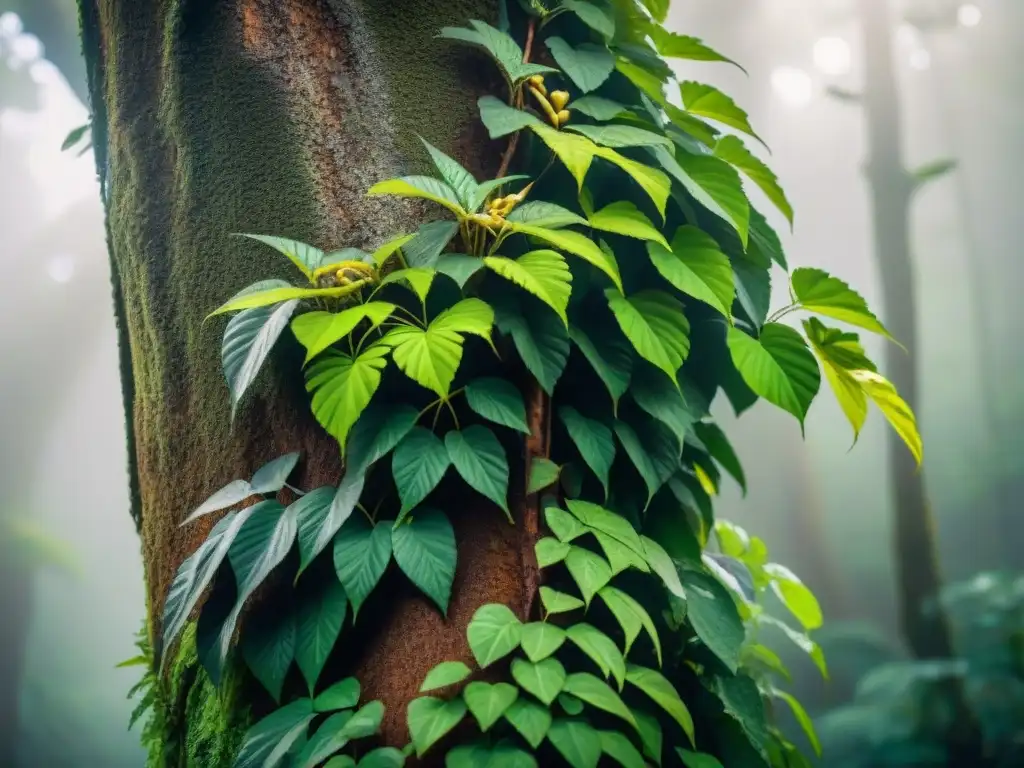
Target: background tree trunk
{"points": [[269, 116]]}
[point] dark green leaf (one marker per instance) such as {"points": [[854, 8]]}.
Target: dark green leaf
{"points": [[621, 749], [424, 548], [612, 360], [597, 693], [425, 249], [587, 65], [593, 440], [713, 614], [320, 518], [418, 464], [268, 647], [500, 119], [655, 325], [631, 617], [721, 450], [543, 474], [267, 743], [541, 340], [480, 460], [248, 339], [320, 614], [663, 693], [591, 15], [499, 401], [653, 450], [361, 555], [376, 433], [271, 477], [601, 650], [341, 695]]}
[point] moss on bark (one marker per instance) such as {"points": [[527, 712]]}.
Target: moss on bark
{"points": [[270, 116]]}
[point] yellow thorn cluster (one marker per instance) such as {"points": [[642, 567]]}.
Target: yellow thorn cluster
{"points": [[552, 103]]}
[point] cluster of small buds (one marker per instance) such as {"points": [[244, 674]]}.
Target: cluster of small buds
{"points": [[552, 103], [342, 273], [499, 208]]}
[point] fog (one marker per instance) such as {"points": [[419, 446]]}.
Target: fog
{"points": [[821, 505]]}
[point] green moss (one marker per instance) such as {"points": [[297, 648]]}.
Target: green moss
{"points": [[198, 726]]}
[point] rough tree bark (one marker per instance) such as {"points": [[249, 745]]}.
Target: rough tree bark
{"points": [[271, 116]]}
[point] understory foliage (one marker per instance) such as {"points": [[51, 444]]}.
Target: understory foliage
{"points": [[901, 713], [581, 309]]}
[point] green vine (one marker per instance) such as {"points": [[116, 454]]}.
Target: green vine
{"points": [[583, 313]]}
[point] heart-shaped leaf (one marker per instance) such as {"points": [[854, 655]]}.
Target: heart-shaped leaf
{"points": [[480, 460], [493, 633], [361, 555], [424, 548]]}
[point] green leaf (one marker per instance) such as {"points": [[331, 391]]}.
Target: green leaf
{"points": [[543, 679], [932, 171], [575, 152], [418, 464], [713, 614], [539, 640], [662, 565], [801, 717], [268, 647], [777, 366], [619, 136], [417, 279], [601, 519], [576, 244], [260, 545], [376, 433], [655, 183], [487, 702], [194, 575], [562, 524], [457, 177], [721, 450], [429, 719], [714, 184], [268, 742], [743, 701], [733, 151], [558, 602], [423, 187], [663, 693], [321, 612], [382, 757], [697, 760], [795, 595], [801, 641], [541, 341], [550, 551], [619, 556], [500, 119], [591, 15], [431, 356], [656, 395], [271, 477], [577, 742], [697, 267], [234, 492], [650, 734], [612, 360], [570, 704], [530, 719], [597, 107], [597, 693], [817, 291], [493, 633], [424, 548], [341, 695], [305, 257], [655, 325], [543, 474], [621, 749], [543, 273], [587, 65], [540, 213], [342, 386], [707, 101], [601, 650], [361, 555], [893, 407], [317, 331], [499, 401], [444, 674], [653, 451], [385, 251], [624, 218], [424, 250], [480, 460], [74, 136], [593, 440], [459, 267], [322, 512], [248, 339], [505, 51], [631, 617], [840, 353], [675, 46]]}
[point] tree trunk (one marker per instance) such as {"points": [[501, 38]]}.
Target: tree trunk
{"points": [[916, 562], [269, 116]]}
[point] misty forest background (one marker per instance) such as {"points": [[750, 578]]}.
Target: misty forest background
{"points": [[824, 509]]}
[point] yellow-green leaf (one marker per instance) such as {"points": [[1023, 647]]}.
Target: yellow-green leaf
{"points": [[624, 218], [795, 595], [468, 316], [733, 151], [343, 386], [817, 291], [675, 46], [893, 407], [655, 325], [803, 718], [316, 331], [419, 279], [387, 249], [840, 353], [305, 257], [713, 183], [575, 152], [277, 295], [655, 183], [543, 273], [423, 187], [578, 245], [697, 267], [707, 101], [430, 356]]}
